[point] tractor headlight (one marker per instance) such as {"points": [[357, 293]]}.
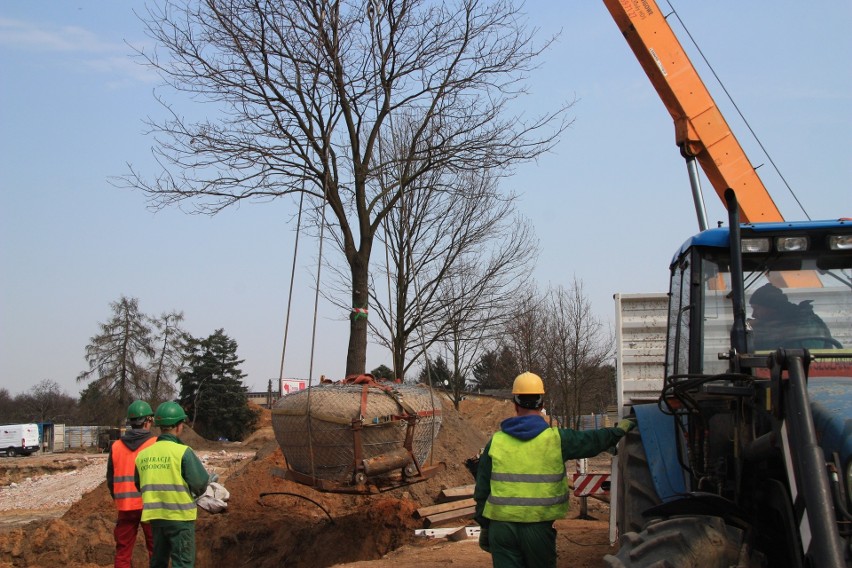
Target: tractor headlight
{"points": [[791, 244], [840, 242], [755, 245]]}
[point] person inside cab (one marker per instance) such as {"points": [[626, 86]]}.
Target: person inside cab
{"points": [[777, 322]]}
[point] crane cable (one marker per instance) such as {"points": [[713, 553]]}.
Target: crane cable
{"points": [[737, 108], [290, 292]]}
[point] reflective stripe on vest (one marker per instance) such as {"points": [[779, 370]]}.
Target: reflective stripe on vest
{"points": [[528, 482], [127, 498], [165, 494]]}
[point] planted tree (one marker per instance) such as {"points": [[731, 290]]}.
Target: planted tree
{"points": [[303, 92]]}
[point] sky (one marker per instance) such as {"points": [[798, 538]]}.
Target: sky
{"points": [[610, 204]]}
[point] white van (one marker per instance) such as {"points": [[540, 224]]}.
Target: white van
{"points": [[18, 439]]}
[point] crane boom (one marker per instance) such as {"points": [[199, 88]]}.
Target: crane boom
{"points": [[701, 131]]}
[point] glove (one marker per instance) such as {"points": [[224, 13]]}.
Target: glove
{"points": [[215, 498], [626, 425], [483, 540]]}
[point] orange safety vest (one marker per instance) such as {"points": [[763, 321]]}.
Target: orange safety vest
{"points": [[127, 497]]}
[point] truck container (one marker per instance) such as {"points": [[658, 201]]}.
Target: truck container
{"points": [[640, 349]]}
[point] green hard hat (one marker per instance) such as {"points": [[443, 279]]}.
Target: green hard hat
{"points": [[139, 409], [169, 413]]}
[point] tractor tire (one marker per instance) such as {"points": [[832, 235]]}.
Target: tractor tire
{"points": [[685, 542], [636, 491]]}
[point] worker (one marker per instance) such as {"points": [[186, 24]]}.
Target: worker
{"points": [[121, 466], [521, 485], [170, 477], [777, 322]]}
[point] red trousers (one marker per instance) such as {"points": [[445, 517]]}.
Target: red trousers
{"points": [[126, 528]]}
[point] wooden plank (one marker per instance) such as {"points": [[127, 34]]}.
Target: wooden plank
{"points": [[453, 493], [449, 516], [472, 531], [443, 508]]}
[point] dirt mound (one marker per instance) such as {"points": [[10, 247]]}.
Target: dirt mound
{"points": [[271, 521], [264, 417], [195, 441]]}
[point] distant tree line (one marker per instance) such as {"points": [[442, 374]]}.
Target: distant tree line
{"points": [[45, 402], [135, 356], [554, 334]]}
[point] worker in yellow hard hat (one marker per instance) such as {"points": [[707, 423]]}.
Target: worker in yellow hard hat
{"points": [[521, 484]]}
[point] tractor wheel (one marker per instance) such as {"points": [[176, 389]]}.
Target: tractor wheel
{"points": [[685, 542], [636, 492]]}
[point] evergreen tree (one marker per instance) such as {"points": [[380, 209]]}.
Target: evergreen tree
{"points": [[383, 372], [97, 407], [441, 375], [212, 391], [496, 369]]}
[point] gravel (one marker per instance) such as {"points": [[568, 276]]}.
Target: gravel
{"points": [[57, 490], [61, 490]]}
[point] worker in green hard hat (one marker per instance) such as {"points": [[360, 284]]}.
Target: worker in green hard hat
{"points": [[170, 477], [121, 465]]}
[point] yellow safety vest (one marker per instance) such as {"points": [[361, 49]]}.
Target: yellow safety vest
{"points": [[528, 482], [165, 494]]}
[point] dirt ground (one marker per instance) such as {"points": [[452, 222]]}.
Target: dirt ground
{"points": [[68, 517]]}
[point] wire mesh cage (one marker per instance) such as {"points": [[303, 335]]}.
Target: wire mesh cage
{"points": [[336, 432]]}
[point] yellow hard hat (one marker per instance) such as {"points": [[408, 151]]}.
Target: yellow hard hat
{"points": [[528, 383]]}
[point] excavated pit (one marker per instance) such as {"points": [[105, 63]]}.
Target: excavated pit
{"points": [[288, 527]]}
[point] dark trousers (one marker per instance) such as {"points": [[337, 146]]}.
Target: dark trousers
{"points": [[175, 540], [522, 545], [126, 528]]}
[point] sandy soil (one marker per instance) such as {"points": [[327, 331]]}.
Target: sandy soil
{"points": [[55, 510]]}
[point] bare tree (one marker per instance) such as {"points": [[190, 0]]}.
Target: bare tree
{"points": [[305, 90], [526, 332], [578, 347], [478, 298], [47, 402], [168, 357], [118, 355], [455, 257]]}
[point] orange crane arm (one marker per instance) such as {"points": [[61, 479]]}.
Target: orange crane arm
{"points": [[700, 128]]}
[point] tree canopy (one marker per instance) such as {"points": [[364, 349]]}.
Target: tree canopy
{"points": [[303, 95]]}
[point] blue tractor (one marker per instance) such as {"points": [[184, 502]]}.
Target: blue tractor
{"points": [[746, 458]]}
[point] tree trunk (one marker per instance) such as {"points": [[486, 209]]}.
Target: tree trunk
{"points": [[356, 356]]}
